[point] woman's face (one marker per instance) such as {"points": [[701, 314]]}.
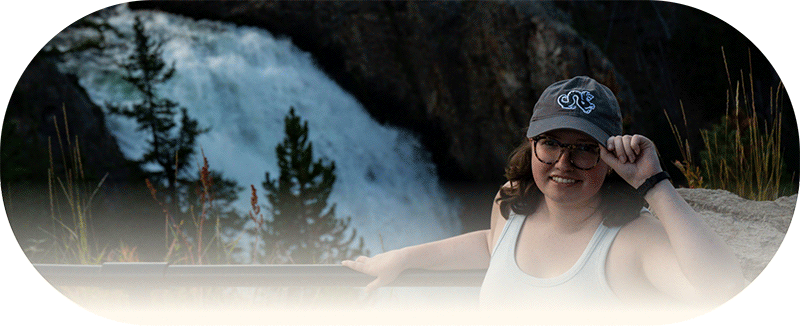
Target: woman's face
{"points": [[562, 182]]}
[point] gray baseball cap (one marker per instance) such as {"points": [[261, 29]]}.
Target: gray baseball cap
{"points": [[580, 103]]}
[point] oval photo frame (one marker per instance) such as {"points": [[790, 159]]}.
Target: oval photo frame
{"points": [[753, 297]]}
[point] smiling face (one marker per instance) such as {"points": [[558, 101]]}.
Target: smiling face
{"points": [[561, 182]]}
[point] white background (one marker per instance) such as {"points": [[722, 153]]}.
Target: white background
{"points": [[25, 298]]}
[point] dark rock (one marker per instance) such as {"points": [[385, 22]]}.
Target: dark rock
{"points": [[462, 75], [120, 209], [42, 99]]}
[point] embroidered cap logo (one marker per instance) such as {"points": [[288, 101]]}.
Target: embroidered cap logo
{"points": [[577, 99]]}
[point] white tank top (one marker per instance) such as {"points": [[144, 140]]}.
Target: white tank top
{"points": [[583, 287]]}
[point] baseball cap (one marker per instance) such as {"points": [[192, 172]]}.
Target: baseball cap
{"points": [[579, 103]]}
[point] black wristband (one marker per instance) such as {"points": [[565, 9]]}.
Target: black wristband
{"points": [[651, 181]]}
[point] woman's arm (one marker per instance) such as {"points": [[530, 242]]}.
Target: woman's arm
{"points": [[466, 251], [707, 263], [684, 257]]}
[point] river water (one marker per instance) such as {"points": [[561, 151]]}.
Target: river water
{"points": [[241, 82]]}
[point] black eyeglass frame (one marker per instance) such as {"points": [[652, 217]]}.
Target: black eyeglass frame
{"points": [[563, 147]]}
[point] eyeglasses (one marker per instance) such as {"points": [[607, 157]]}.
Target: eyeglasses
{"points": [[581, 156]]}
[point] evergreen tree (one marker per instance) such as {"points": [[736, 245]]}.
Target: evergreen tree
{"points": [[192, 196], [304, 228], [91, 38], [171, 145]]}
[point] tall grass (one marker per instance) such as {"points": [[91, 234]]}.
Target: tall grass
{"points": [[189, 237], [692, 172], [71, 233], [258, 219], [742, 152], [186, 231]]}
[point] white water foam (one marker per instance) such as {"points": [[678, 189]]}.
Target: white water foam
{"points": [[241, 82]]}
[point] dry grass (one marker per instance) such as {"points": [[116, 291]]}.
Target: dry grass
{"points": [[71, 236], [184, 236], [70, 195], [742, 153]]}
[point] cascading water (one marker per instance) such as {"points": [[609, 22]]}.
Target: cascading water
{"points": [[240, 82]]}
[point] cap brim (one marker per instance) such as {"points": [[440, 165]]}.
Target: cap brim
{"points": [[539, 127]]}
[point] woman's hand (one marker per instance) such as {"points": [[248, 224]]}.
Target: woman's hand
{"points": [[633, 157], [385, 267], [466, 251]]}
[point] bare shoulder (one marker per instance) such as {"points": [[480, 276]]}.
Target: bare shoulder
{"points": [[497, 217], [642, 233], [497, 220], [506, 186], [625, 265]]}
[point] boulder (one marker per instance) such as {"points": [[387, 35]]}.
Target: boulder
{"points": [[753, 229]]}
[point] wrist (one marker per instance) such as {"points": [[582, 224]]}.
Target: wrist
{"points": [[660, 188], [651, 182], [404, 258]]}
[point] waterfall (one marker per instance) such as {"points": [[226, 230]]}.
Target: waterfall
{"points": [[240, 82]]}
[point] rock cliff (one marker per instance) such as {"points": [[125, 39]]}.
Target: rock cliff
{"points": [[43, 96], [462, 75]]}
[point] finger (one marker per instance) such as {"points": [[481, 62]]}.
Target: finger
{"points": [[610, 143], [354, 265], [619, 149], [643, 143], [361, 259], [609, 157], [348, 263], [636, 144], [374, 285], [626, 143]]}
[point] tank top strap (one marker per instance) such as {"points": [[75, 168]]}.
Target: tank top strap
{"points": [[596, 254], [508, 237], [605, 237]]}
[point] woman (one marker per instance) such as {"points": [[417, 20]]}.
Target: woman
{"points": [[568, 230]]}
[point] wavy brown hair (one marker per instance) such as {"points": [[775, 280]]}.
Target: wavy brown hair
{"points": [[619, 202]]}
